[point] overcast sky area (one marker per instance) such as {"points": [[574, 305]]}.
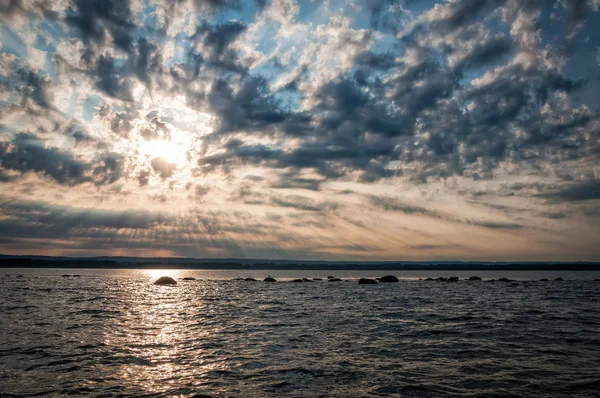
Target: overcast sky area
{"points": [[352, 129]]}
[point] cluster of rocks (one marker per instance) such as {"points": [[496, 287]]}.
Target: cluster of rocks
{"points": [[477, 278], [167, 280]]}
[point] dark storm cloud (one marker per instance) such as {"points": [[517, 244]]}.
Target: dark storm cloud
{"points": [[252, 107], [576, 192], [496, 225], [91, 18], [302, 203], [28, 153], [33, 89], [395, 205], [43, 213], [147, 60], [111, 80], [391, 204], [486, 53], [290, 181], [219, 37]]}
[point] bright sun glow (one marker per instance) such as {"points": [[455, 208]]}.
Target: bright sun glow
{"points": [[168, 150], [157, 273]]}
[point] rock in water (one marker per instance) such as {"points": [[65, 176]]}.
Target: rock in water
{"points": [[544, 280], [474, 278], [188, 278], [165, 280], [317, 279], [335, 280], [269, 279], [367, 281], [250, 280], [453, 279], [388, 279], [559, 279]]}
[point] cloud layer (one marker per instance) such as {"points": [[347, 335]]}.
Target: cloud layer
{"points": [[280, 129]]}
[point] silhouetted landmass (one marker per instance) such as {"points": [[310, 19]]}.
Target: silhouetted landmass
{"points": [[249, 264]]}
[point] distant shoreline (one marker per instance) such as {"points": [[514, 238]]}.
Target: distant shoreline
{"points": [[243, 264]]}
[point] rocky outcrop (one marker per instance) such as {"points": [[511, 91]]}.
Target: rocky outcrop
{"points": [[388, 279], [165, 280], [367, 281], [270, 279]]}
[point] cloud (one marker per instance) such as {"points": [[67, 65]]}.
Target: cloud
{"points": [[284, 106], [576, 192], [163, 167]]}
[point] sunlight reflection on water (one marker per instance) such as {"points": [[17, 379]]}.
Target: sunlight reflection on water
{"points": [[121, 335]]}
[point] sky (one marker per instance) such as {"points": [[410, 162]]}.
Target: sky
{"points": [[331, 130]]}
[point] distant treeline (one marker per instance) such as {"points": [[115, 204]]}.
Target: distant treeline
{"points": [[48, 262]]}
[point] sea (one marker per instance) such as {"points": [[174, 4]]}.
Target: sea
{"points": [[109, 333]]}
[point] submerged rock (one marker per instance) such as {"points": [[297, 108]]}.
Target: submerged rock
{"points": [[441, 279], [165, 280], [474, 278], [388, 279], [453, 279], [335, 280], [188, 278], [269, 279], [367, 281], [330, 277], [250, 280], [504, 280], [66, 276], [558, 279], [297, 281], [306, 280], [76, 276]]}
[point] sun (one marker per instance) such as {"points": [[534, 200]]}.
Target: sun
{"points": [[171, 151]]}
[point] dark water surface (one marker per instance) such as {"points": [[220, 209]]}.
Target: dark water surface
{"points": [[111, 332]]}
